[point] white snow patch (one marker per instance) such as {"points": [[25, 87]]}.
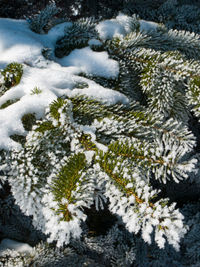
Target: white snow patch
{"points": [[110, 28], [90, 62], [121, 26], [10, 118], [104, 95], [17, 42], [118, 27], [89, 156]]}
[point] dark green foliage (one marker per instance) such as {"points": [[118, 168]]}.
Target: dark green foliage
{"points": [[28, 121], [86, 110], [18, 138], [44, 126], [41, 22], [36, 91], [12, 74], [88, 145], [159, 80], [83, 151], [175, 14], [105, 82], [76, 36], [67, 181], [129, 82], [54, 108], [8, 103]]}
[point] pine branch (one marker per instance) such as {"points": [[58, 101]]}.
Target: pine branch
{"points": [[77, 36], [131, 200], [69, 180]]}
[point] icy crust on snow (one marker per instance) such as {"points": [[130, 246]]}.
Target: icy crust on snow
{"points": [[54, 78]]}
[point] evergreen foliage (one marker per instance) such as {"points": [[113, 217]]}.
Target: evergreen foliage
{"points": [[76, 36], [8, 103], [175, 14], [36, 91], [10, 76], [85, 155], [42, 21], [79, 167]]}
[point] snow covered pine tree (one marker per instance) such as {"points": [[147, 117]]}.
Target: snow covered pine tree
{"points": [[86, 152]]}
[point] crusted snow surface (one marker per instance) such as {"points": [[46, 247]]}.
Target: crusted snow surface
{"points": [[53, 78]]}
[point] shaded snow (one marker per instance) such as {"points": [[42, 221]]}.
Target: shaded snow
{"points": [[146, 26], [18, 43], [94, 42], [8, 244]]}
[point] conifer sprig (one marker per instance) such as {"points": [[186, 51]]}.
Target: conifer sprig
{"points": [[69, 185], [80, 165], [77, 36]]}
